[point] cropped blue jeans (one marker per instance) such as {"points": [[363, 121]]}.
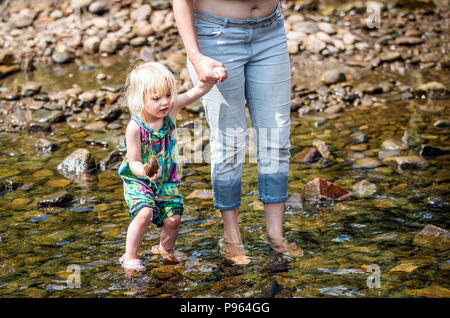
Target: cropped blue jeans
{"points": [[258, 65]]}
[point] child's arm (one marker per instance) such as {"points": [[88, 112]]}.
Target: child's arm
{"points": [[133, 141], [194, 93]]}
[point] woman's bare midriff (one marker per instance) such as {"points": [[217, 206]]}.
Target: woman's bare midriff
{"points": [[237, 9]]}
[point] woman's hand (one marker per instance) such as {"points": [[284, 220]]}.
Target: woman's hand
{"points": [[204, 67]]}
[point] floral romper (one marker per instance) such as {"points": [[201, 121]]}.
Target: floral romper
{"points": [[162, 195]]}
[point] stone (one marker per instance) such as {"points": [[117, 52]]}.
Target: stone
{"points": [[45, 146], [313, 44], [411, 138], [61, 55], [322, 148], [407, 268], [332, 77], [326, 27], [434, 291], [91, 45], [143, 29], [364, 187], [48, 116], [97, 7], [30, 89], [430, 151], [390, 56], [201, 194], [60, 199], [408, 40], [111, 161], [307, 155], [442, 123], [407, 162], [319, 189], [433, 237], [80, 3], [295, 201], [6, 70], [306, 27], [77, 163], [111, 114], [391, 144], [141, 13], [108, 45], [369, 163], [432, 90]]}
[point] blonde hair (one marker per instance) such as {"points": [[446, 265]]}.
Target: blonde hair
{"points": [[148, 80]]}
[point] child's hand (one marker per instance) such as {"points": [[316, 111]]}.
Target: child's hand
{"points": [[221, 73], [156, 176]]}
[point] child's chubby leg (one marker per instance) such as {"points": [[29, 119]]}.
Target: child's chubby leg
{"points": [[135, 235], [168, 237]]}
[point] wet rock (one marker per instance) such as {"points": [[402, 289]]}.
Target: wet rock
{"points": [[411, 138], [39, 127], [335, 109], [45, 146], [48, 116], [91, 45], [319, 190], [30, 89], [407, 162], [434, 291], [388, 153], [364, 187], [6, 70], [442, 123], [166, 272], [307, 155], [138, 41], [24, 18], [407, 268], [433, 237], [332, 77], [295, 201], [391, 144], [60, 199], [96, 126], [430, 151], [322, 148], [326, 27], [368, 163], [432, 90], [436, 203], [306, 5], [10, 185], [77, 163], [111, 114], [201, 194], [7, 57], [111, 161]]}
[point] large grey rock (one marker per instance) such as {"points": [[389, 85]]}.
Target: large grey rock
{"points": [[77, 163], [433, 237]]}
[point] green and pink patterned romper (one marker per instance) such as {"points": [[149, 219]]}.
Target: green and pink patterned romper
{"points": [[162, 195]]}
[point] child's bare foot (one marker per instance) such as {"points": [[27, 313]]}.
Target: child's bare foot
{"points": [[168, 255], [134, 264]]}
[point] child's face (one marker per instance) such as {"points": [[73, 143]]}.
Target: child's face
{"points": [[157, 106]]}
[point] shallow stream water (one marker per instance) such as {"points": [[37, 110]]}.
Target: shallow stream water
{"points": [[342, 242]]}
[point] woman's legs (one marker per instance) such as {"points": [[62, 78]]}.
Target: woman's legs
{"points": [[136, 232]]}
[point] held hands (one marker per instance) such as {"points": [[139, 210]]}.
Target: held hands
{"points": [[206, 70], [156, 176], [152, 170]]}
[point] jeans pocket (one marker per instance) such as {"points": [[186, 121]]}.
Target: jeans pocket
{"points": [[212, 31]]}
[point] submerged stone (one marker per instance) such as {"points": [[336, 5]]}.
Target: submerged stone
{"points": [[433, 237], [364, 187], [319, 189], [407, 162]]}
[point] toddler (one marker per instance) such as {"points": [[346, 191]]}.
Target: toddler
{"points": [[149, 169]]}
